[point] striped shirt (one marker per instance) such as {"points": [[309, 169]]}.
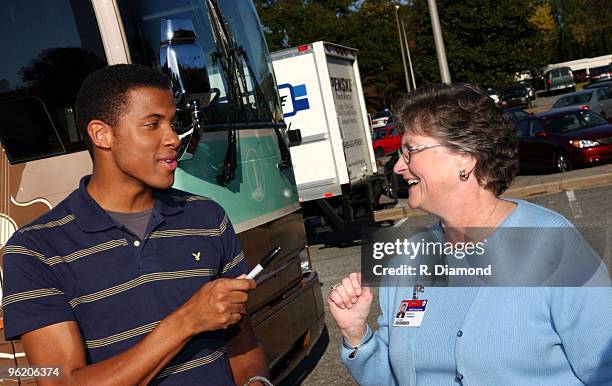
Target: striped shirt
{"points": [[76, 263]]}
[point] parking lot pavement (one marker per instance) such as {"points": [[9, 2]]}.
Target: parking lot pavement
{"points": [[526, 186], [589, 209]]}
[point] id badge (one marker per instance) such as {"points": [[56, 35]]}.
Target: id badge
{"points": [[410, 313]]}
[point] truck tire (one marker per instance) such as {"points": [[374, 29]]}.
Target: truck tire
{"points": [[379, 152]]}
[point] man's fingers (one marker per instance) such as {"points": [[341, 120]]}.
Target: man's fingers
{"points": [[235, 308], [237, 284], [237, 297]]}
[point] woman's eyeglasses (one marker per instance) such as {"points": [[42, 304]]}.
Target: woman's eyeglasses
{"points": [[408, 150]]}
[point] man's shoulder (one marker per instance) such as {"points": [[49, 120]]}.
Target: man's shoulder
{"points": [[59, 215], [194, 204]]}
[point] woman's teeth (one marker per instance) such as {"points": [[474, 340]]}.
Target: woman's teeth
{"points": [[412, 181]]}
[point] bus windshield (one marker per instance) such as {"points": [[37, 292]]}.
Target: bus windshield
{"points": [[257, 101]]}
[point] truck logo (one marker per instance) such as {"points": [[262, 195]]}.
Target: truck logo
{"points": [[293, 99], [341, 84]]}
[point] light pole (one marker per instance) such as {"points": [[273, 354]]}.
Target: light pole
{"points": [[408, 51], [399, 34], [437, 32]]}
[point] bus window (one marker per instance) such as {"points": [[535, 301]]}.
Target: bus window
{"points": [[257, 101], [53, 46]]}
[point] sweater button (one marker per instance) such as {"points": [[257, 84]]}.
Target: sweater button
{"points": [[136, 243], [459, 377], [459, 333]]}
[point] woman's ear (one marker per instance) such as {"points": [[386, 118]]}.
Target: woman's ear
{"points": [[101, 134], [467, 163]]}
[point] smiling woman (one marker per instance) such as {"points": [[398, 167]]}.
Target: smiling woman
{"points": [[458, 155]]}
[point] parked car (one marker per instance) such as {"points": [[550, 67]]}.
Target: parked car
{"points": [[558, 79], [596, 99], [515, 114], [382, 118], [514, 96], [529, 88], [601, 73], [605, 83], [564, 139], [386, 140], [493, 94], [398, 185]]}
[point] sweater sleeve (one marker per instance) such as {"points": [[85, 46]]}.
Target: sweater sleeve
{"points": [[581, 317], [370, 365]]}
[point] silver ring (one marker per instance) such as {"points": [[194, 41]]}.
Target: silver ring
{"points": [[333, 287]]}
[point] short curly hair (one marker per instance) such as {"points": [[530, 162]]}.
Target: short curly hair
{"points": [[465, 119], [104, 93]]}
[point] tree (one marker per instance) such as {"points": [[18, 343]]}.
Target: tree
{"points": [[543, 20], [367, 25], [487, 42], [584, 28]]}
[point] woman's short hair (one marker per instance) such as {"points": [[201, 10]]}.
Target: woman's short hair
{"points": [[465, 119]]}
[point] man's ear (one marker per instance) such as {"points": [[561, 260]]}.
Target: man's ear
{"points": [[101, 134]]}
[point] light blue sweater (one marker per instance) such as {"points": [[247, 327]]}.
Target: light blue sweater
{"points": [[493, 336]]}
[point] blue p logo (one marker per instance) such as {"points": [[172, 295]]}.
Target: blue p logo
{"points": [[293, 99]]}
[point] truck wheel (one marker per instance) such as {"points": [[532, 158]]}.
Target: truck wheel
{"points": [[378, 152]]}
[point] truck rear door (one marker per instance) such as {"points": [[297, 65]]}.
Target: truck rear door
{"points": [[347, 99]]}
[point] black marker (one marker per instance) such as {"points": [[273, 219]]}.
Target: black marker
{"points": [[264, 262]]}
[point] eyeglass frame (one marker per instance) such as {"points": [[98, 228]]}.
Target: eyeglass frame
{"points": [[407, 151]]}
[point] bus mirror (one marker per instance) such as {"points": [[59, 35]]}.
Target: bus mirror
{"points": [[182, 59], [295, 137]]}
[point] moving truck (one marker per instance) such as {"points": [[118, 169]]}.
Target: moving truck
{"points": [[222, 77], [335, 167]]}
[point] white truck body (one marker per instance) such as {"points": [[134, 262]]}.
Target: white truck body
{"points": [[321, 94]]}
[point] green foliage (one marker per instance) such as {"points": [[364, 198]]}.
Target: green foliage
{"points": [[487, 42], [583, 29]]}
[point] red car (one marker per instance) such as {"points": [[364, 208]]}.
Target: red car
{"points": [[386, 140], [564, 139]]}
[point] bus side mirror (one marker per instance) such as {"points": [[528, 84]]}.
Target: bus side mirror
{"points": [[182, 59], [295, 137]]}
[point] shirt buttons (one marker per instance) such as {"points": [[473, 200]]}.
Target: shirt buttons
{"points": [[136, 243], [459, 377], [459, 333]]}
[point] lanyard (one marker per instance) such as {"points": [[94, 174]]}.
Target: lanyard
{"points": [[415, 291]]}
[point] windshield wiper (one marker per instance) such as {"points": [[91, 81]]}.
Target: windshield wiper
{"points": [[230, 55]]}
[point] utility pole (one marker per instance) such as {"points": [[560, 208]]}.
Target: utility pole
{"points": [[440, 50], [399, 34], [408, 51]]}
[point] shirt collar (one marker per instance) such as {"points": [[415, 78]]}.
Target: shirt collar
{"points": [[91, 217]]}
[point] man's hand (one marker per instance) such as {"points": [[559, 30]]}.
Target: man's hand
{"points": [[217, 304]]}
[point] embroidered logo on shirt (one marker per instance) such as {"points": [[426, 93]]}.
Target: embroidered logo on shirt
{"points": [[196, 256]]}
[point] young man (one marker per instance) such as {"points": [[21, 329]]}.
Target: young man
{"points": [[127, 281]]}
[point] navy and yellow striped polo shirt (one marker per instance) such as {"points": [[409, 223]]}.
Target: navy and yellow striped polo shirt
{"points": [[76, 263]]}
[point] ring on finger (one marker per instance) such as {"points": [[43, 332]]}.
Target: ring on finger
{"points": [[333, 287]]}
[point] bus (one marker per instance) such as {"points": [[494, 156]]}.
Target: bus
{"points": [[237, 144]]}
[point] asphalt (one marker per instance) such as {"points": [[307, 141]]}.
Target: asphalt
{"points": [[524, 187]]}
